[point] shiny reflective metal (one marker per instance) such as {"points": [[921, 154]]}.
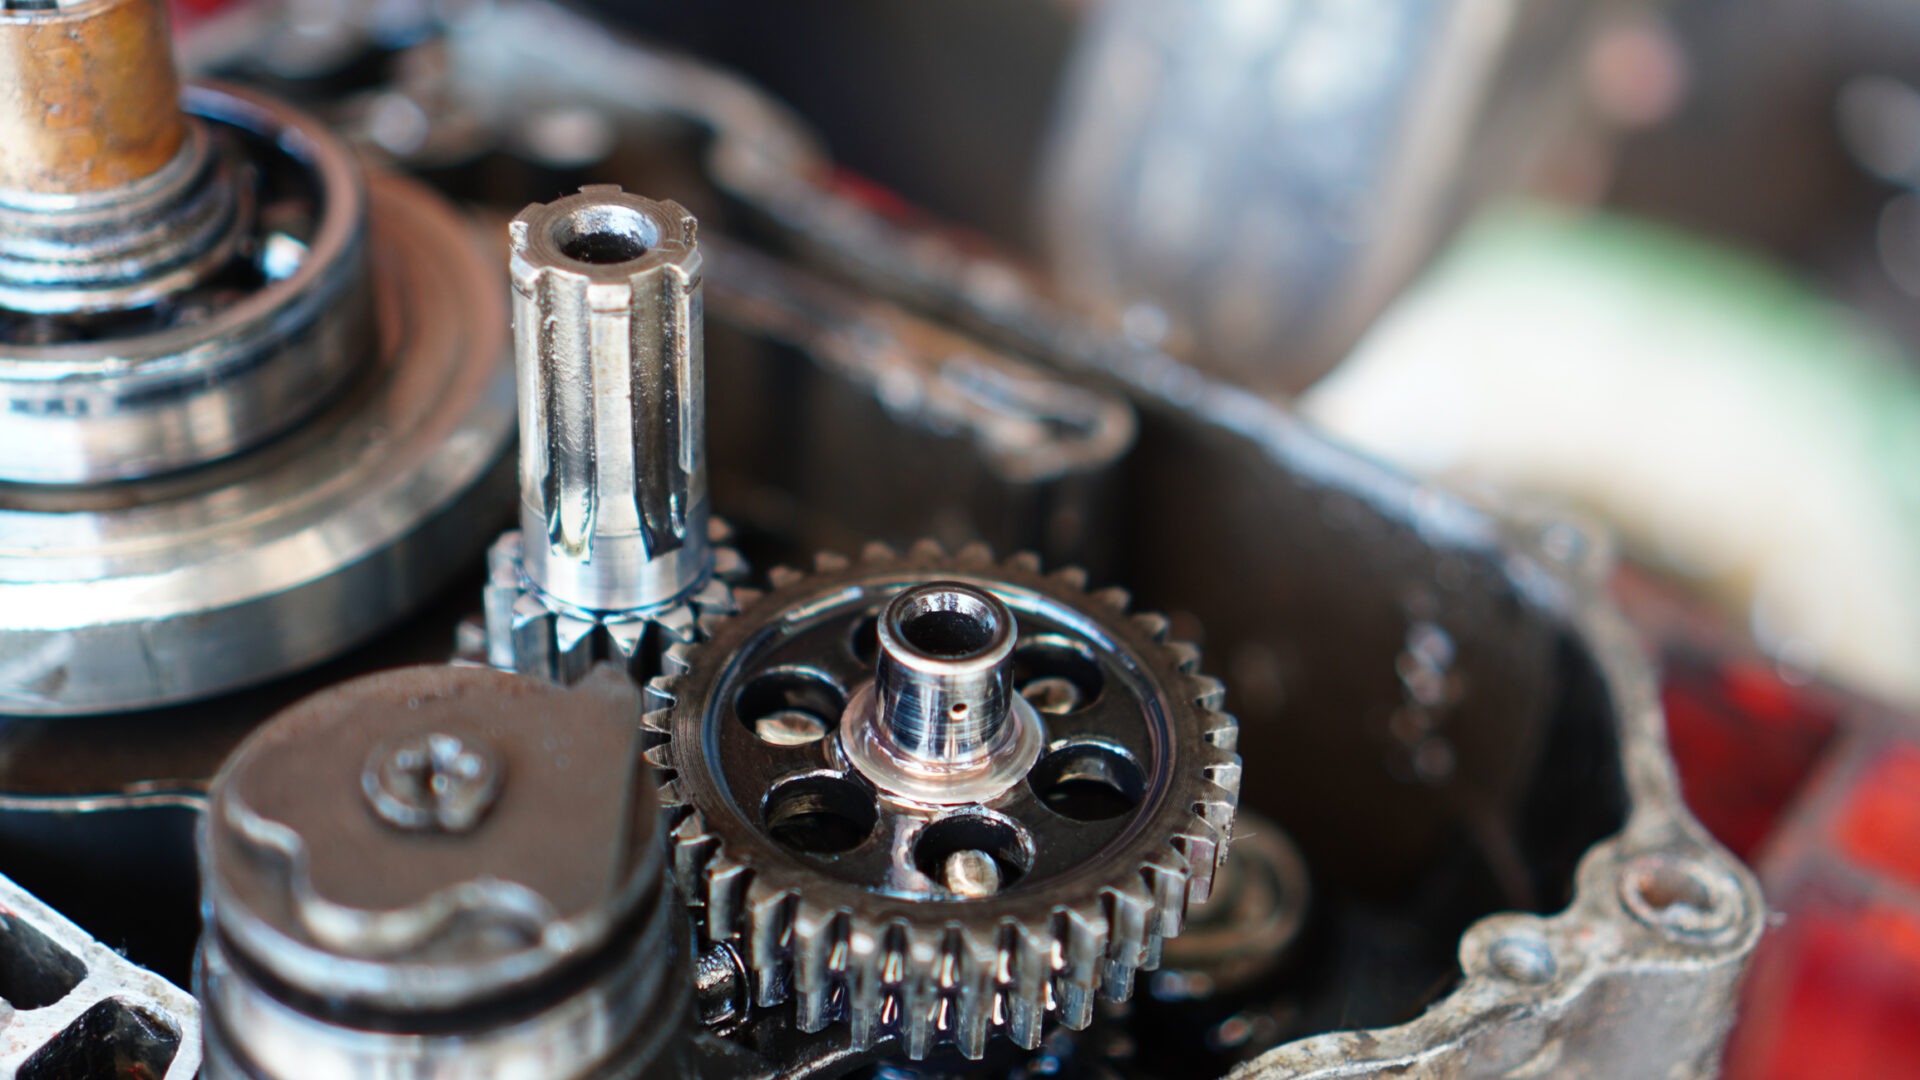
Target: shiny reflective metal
{"points": [[436, 781], [1250, 184], [866, 906], [187, 585], [75, 1007], [940, 721], [540, 941], [213, 372], [614, 540]]}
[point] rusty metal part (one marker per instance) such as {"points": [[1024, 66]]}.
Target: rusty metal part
{"points": [[89, 99]]}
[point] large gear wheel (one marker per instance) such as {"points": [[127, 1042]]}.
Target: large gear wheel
{"points": [[935, 915]]}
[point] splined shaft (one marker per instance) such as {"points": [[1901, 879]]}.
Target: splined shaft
{"points": [[608, 346]]}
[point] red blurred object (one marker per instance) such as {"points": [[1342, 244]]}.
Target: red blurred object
{"points": [[1820, 792], [1745, 742]]}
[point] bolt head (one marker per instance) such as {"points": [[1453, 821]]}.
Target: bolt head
{"points": [[432, 782]]}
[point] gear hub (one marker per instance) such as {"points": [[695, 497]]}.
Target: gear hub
{"points": [[940, 796]]}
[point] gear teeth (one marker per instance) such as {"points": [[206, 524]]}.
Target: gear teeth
{"points": [[1186, 656], [1222, 732], [675, 662], [974, 556], [1208, 692], [920, 997], [532, 635], [960, 981], [628, 638], [679, 623], [719, 532], [977, 952], [1154, 625], [1130, 913], [1167, 879], [1029, 973], [815, 934], [659, 756], [1070, 577], [1024, 562], [715, 598], [728, 566], [1080, 958], [866, 988], [767, 922], [1203, 848]]}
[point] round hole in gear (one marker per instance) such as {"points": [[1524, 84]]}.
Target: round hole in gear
{"points": [[790, 706], [604, 235], [1088, 782], [820, 814], [1005, 842], [1057, 674]]}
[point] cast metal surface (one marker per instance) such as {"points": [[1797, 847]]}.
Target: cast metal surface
{"points": [[184, 586], [613, 548], [477, 946], [941, 923], [72, 1007]]}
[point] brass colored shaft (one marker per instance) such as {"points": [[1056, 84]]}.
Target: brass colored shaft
{"points": [[89, 99]]}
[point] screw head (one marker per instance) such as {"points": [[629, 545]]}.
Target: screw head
{"points": [[432, 781]]}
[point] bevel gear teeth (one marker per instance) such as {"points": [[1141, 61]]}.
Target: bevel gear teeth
{"points": [[940, 973]]}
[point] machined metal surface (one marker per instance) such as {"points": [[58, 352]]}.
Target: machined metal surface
{"points": [[472, 946], [613, 548], [211, 373], [941, 923], [72, 1007], [177, 588]]}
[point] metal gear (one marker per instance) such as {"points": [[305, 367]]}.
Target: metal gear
{"points": [[941, 920]]}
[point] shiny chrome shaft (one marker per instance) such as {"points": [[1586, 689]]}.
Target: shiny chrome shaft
{"points": [[608, 346], [945, 672]]}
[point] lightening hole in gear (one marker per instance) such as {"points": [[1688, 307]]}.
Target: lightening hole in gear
{"points": [[1005, 842], [605, 234], [947, 624], [820, 814], [1057, 675], [790, 706], [1088, 782]]}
